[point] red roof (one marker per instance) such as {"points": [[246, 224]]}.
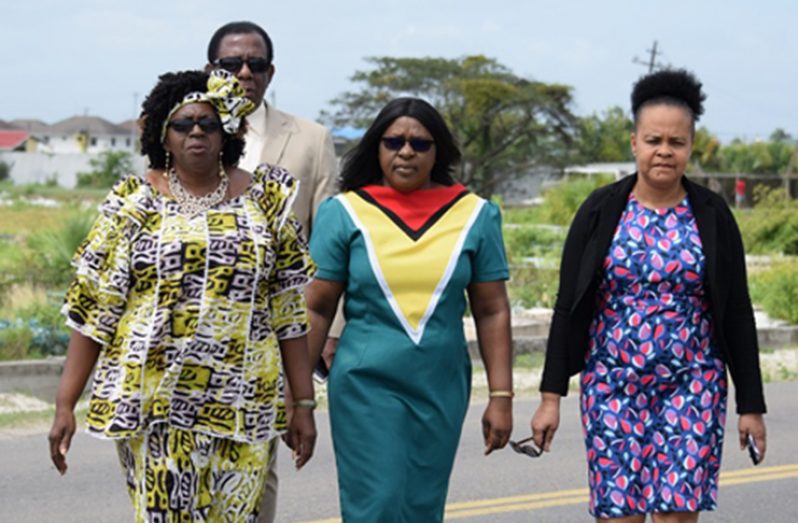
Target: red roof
{"points": [[10, 140]]}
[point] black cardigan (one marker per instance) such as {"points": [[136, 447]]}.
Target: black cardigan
{"points": [[586, 246]]}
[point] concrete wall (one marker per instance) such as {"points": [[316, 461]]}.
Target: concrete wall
{"points": [[63, 167], [38, 378]]}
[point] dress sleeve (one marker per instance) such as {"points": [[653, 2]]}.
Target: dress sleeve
{"points": [[96, 299], [329, 245], [292, 270], [292, 267], [490, 259]]}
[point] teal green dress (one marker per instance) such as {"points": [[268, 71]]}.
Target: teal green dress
{"points": [[400, 383]]}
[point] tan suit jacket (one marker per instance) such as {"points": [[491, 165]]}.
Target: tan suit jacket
{"points": [[306, 150]]}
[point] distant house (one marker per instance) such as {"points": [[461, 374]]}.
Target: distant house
{"points": [[28, 124], [13, 138], [17, 140], [88, 134], [42, 153], [6, 126], [80, 134], [33, 128]]}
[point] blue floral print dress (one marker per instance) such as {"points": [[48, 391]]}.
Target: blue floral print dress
{"points": [[653, 397]]}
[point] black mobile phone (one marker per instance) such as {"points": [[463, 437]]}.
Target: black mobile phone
{"points": [[753, 450]]}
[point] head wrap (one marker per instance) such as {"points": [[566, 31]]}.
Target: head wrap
{"points": [[226, 96]]}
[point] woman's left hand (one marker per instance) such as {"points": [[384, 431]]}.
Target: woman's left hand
{"points": [[302, 435], [753, 424], [497, 423]]}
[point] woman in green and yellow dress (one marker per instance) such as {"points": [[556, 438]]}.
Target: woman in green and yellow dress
{"points": [[404, 244], [188, 296]]}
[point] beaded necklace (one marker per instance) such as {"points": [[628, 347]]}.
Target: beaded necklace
{"points": [[193, 205]]}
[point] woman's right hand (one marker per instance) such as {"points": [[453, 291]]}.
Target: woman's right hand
{"points": [[61, 437], [302, 435], [546, 420], [82, 354]]}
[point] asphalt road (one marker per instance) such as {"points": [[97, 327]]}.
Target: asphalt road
{"points": [[504, 487]]}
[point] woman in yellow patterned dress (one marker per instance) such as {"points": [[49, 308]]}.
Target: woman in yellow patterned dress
{"points": [[189, 299]]}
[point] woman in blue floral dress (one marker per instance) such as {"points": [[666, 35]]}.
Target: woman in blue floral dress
{"points": [[653, 307]]}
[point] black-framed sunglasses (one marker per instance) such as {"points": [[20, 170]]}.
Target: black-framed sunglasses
{"points": [[395, 143], [235, 63], [526, 446], [208, 124]]}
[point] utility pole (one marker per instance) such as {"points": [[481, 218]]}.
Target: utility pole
{"points": [[652, 62]]}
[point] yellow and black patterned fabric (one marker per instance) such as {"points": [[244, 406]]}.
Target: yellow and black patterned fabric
{"points": [[179, 476], [189, 309]]}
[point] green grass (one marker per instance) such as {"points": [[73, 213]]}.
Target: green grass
{"points": [[19, 420], [39, 420], [529, 360], [776, 289], [53, 192], [521, 215]]}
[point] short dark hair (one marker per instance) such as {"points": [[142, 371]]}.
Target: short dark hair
{"points": [[168, 92], [237, 28], [670, 87], [361, 165]]}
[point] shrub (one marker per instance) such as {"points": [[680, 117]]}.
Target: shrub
{"points": [[15, 341], [561, 201], [12, 265], [532, 286], [531, 241], [776, 290], [50, 251], [37, 328], [771, 227], [535, 285], [107, 168], [5, 171], [49, 333]]}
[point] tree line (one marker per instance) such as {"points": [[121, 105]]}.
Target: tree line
{"points": [[508, 125]]}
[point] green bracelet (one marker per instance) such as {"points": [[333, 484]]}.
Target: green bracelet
{"points": [[305, 404]]}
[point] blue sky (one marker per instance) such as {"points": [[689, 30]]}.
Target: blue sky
{"points": [[101, 57]]}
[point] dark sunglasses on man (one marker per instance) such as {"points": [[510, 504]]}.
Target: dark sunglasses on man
{"points": [[208, 124], [526, 446], [235, 63], [395, 143]]}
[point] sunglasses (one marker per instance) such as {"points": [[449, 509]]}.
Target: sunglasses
{"points": [[396, 143], [235, 63], [531, 450], [208, 124]]}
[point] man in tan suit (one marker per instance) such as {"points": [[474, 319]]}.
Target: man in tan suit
{"points": [[303, 147]]}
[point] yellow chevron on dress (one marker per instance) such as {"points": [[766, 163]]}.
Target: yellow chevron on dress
{"points": [[413, 274]]}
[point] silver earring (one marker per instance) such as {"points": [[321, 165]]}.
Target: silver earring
{"points": [[221, 165]]}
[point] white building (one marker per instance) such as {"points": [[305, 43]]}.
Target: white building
{"points": [[81, 134]]}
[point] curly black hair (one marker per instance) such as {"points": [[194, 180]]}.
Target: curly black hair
{"points": [[671, 87], [362, 166], [168, 92]]}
